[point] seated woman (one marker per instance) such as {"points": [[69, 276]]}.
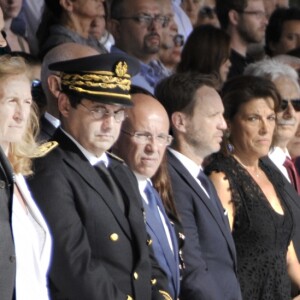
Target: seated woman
{"points": [[11, 10], [253, 193], [18, 123], [206, 51], [69, 21]]}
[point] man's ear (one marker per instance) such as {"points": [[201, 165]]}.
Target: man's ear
{"points": [[179, 121], [54, 85], [64, 104], [233, 17]]}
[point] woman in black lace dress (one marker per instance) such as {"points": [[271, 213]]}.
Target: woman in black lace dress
{"points": [[253, 193]]}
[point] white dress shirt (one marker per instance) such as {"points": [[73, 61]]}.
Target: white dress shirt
{"points": [[32, 245], [191, 167], [278, 156]]}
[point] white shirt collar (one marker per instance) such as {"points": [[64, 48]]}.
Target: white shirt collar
{"points": [[279, 155], [189, 164], [54, 121], [89, 156]]}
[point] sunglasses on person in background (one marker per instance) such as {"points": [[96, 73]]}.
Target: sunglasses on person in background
{"points": [[207, 12], [295, 103], [178, 40]]}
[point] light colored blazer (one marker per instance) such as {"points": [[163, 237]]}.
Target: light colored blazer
{"points": [[32, 284]]}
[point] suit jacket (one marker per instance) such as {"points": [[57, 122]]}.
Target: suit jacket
{"points": [[292, 199], [209, 252], [168, 261], [47, 130], [98, 253], [7, 250]]}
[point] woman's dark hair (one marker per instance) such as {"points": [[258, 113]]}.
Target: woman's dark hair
{"points": [[276, 23], [242, 89], [162, 183], [205, 50]]}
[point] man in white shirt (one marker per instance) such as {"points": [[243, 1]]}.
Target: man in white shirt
{"points": [[195, 110], [142, 143]]}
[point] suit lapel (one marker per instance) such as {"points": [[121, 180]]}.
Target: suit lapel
{"points": [[216, 215], [134, 202]]}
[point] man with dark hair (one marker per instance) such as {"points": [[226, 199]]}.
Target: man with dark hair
{"points": [[137, 28], [50, 82], [283, 31], [195, 111], [89, 198], [245, 21]]}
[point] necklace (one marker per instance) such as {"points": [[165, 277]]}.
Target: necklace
{"points": [[252, 172]]}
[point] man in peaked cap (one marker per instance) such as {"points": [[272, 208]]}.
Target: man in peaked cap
{"points": [[90, 198]]}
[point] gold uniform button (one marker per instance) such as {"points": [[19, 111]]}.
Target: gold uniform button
{"points": [[153, 281], [149, 242], [114, 237], [135, 275]]}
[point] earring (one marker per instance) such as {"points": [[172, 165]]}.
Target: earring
{"points": [[230, 147]]}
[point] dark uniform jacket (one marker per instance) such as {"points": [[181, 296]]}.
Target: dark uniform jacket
{"points": [[7, 250], [98, 251]]}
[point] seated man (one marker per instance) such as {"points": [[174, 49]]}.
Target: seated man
{"points": [[89, 198], [142, 144]]}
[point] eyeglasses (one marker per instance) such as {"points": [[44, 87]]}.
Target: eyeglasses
{"points": [[142, 137], [259, 14], [99, 112], [178, 40], [294, 102], [147, 20]]}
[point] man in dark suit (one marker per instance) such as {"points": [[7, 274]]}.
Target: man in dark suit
{"points": [[49, 121], [91, 199], [142, 143], [196, 113]]}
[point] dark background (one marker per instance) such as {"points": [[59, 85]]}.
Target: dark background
{"points": [[295, 3]]}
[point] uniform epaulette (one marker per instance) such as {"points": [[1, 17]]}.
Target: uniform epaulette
{"points": [[45, 148], [112, 155]]}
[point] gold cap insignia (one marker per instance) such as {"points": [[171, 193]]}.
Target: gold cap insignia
{"points": [[121, 69]]}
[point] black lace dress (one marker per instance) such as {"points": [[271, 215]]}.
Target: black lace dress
{"points": [[261, 235]]}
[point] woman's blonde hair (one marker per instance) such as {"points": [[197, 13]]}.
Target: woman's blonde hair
{"points": [[20, 153]]}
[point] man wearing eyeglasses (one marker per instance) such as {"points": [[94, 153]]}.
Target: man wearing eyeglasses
{"points": [[89, 198], [245, 21], [137, 28], [142, 143]]}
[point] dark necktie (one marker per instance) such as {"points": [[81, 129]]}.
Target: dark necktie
{"points": [[110, 183], [207, 186], [290, 167]]}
